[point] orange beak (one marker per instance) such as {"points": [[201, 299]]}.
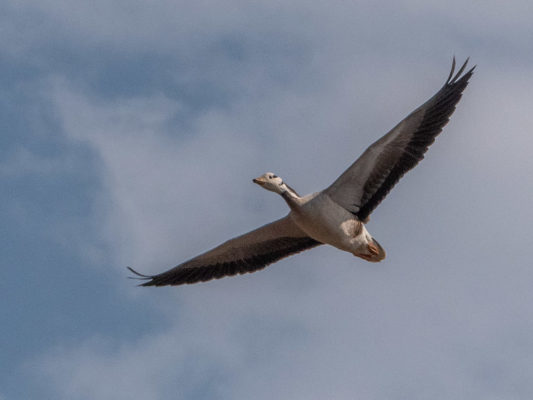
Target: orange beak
{"points": [[260, 181]]}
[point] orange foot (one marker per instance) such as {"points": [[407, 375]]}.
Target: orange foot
{"points": [[372, 249]]}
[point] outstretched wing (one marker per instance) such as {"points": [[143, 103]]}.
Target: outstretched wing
{"points": [[247, 253], [369, 179]]}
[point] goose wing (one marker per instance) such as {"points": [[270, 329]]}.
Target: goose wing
{"points": [[247, 253], [369, 179]]}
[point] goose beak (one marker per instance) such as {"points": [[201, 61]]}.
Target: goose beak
{"points": [[260, 181]]}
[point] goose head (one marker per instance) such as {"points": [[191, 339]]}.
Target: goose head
{"points": [[272, 182]]}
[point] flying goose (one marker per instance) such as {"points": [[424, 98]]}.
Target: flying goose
{"points": [[336, 215]]}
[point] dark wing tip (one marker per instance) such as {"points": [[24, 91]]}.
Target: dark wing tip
{"points": [[454, 78], [451, 71], [142, 277]]}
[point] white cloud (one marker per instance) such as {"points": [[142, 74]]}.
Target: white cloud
{"points": [[24, 162], [317, 324], [345, 32]]}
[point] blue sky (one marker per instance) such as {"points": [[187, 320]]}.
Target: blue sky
{"points": [[131, 131]]}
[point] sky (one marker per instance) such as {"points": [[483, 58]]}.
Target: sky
{"points": [[130, 132]]}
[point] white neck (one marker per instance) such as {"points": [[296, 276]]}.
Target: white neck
{"points": [[290, 196]]}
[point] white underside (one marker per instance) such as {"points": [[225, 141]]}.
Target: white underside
{"points": [[326, 221]]}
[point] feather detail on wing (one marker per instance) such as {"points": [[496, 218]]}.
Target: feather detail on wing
{"points": [[247, 253], [369, 179]]}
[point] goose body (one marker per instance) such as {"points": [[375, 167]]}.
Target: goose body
{"points": [[337, 215], [327, 222]]}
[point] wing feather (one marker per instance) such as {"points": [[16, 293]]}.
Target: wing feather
{"points": [[368, 180], [247, 253]]}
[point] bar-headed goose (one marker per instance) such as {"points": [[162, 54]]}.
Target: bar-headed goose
{"points": [[336, 215]]}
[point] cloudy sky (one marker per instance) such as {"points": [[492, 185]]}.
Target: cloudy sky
{"points": [[130, 132]]}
